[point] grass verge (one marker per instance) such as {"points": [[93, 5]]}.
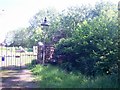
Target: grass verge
{"points": [[53, 77]]}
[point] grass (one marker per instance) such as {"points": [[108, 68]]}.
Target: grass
{"points": [[53, 77]]}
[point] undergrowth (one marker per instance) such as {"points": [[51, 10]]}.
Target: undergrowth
{"points": [[53, 77]]}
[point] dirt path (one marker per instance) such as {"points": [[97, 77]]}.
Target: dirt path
{"points": [[17, 78]]}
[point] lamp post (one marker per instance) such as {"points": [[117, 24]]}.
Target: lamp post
{"points": [[45, 25]]}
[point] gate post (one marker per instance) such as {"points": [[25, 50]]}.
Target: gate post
{"points": [[49, 53], [40, 52]]}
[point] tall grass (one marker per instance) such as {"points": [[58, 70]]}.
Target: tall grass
{"points": [[53, 77]]}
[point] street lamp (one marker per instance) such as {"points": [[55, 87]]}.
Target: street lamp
{"points": [[45, 25]]}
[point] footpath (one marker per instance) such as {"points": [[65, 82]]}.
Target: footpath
{"points": [[17, 78]]}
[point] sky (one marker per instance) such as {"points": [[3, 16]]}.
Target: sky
{"points": [[15, 14]]}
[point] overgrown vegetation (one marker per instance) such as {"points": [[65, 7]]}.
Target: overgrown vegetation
{"points": [[93, 46], [53, 77], [86, 37]]}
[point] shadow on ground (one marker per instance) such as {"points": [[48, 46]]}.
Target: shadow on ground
{"points": [[18, 84], [13, 67], [17, 77]]}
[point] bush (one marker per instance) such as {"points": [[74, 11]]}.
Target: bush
{"points": [[92, 49], [30, 49], [34, 62]]}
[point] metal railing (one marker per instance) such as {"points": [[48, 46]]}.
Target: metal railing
{"points": [[13, 56]]}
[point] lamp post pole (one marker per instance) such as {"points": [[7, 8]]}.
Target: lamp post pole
{"points": [[44, 24]]}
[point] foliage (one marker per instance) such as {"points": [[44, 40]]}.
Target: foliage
{"points": [[93, 47], [17, 37], [88, 37], [53, 77], [64, 22]]}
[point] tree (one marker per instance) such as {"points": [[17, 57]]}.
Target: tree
{"points": [[93, 46], [17, 37]]}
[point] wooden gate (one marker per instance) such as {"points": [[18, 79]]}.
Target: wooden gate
{"points": [[12, 57]]}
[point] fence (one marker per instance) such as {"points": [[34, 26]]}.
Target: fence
{"points": [[16, 56]]}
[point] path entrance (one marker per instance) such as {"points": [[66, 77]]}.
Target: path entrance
{"points": [[15, 78], [13, 69]]}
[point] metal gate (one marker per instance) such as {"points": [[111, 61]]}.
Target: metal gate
{"points": [[12, 57]]}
